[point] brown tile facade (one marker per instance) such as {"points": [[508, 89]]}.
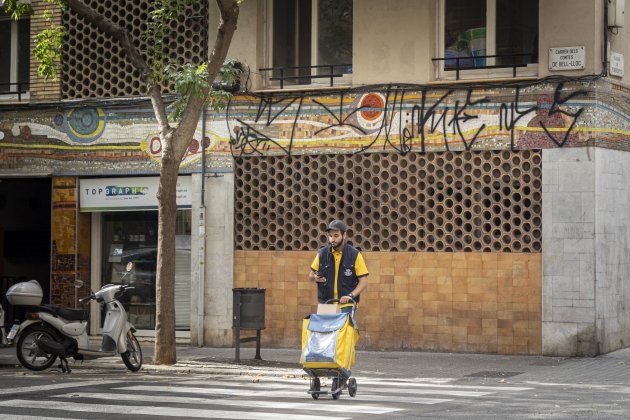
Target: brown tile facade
{"points": [[64, 228], [460, 302]]}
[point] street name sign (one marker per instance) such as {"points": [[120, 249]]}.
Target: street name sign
{"points": [[616, 64], [567, 58]]}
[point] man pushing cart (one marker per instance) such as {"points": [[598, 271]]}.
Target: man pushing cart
{"points": [[328, 340]]}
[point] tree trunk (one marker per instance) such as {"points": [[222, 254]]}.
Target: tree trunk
{"points": [[174, 145], [165, 350]]}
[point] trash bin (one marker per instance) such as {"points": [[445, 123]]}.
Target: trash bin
{"points": [[249, 314], [249, 308]]}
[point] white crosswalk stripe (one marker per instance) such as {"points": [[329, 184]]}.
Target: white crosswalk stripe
{"points": [[227, 397], [278, 393], [81, 384], [367, 409], [153, 411], [281, 383]]}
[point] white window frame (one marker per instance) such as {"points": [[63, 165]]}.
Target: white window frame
{"points": [[346, 79], [491, 11], [13, 70]]}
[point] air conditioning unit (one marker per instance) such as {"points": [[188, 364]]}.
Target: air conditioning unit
{"points": [[616, 13]]}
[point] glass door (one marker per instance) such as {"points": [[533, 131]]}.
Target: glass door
{"points": [[132, 237]]}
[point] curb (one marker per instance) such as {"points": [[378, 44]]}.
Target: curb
{"points": [[184, 367], [225, 369]]}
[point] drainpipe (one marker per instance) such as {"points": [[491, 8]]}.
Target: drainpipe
{"points": [[202, 216], [605, 60], [76, 240], [202, 237]]}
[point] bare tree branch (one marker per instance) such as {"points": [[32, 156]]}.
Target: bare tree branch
{"points": [[155, 93], [229, 15]]}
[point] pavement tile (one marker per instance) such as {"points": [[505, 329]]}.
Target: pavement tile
{"points": [[611, 368]]}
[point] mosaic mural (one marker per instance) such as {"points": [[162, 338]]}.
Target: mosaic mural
{"points": [[111, 139]]}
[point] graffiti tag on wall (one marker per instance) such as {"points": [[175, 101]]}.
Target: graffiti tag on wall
{"points": [[405, 121]]}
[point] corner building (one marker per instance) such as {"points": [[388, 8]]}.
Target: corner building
{"points": [[479, 151]]}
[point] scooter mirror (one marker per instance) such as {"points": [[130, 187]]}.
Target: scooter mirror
{"points": [[129, 266]]}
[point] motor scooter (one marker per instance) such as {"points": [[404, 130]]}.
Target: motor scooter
{"points": [[52, 331]]}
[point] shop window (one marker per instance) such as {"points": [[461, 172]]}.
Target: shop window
{"points": [[132, 237], [14, 55], [308, 33], [489, 34]]}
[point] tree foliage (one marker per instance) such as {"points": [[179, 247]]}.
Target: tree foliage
{"points": [[48, 44]]}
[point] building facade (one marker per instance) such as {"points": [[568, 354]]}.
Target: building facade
{"points": [[479, 151]]}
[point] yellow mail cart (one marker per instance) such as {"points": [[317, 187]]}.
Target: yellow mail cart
{"points": [[328, 351]]}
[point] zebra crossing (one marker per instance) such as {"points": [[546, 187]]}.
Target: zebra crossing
{"points": [[238, 398]]}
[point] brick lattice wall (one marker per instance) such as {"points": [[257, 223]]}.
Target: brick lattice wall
{"points": [[463, 302], [486, 201], [96, 66]]}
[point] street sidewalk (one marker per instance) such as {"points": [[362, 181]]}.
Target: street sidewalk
{"points": [[612, 368]]}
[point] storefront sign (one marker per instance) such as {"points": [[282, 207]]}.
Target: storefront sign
{"points": [[567, 58], [616, 64], [128, 194]]}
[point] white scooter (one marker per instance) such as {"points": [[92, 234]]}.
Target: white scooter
{"points": [[52, 331]]}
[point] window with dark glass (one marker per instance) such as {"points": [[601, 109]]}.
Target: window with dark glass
{"points": [[14, 54], [480, 33], [310, 33], [517, 31]]}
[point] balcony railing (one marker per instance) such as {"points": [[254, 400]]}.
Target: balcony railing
{"points": [[478, 62], [282, 76], [22, 88]]}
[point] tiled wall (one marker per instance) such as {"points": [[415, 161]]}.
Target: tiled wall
{"points": [[65, 271], [461, 302], [586, 238], [612, 248]]}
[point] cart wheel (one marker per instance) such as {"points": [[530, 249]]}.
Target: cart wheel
{"points": [[352, 387], [336, 383], [315, 386]]}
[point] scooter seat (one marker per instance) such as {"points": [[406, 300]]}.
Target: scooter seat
{"points": [[69, 314]]}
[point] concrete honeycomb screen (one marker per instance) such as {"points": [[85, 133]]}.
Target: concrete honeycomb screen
{"points": [[95, 66], [486, 201]]}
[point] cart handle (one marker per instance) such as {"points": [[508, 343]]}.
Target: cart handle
{"points": [[354, 304]]}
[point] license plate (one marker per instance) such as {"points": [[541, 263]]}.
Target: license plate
{"points": [[14, 330]]}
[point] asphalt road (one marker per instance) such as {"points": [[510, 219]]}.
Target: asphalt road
{"points": [[98, 393]]}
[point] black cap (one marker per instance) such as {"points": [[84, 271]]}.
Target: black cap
{"points": [[337, 225]]}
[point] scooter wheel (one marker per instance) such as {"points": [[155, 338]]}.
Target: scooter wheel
{"points": [[28, 352], [133, 356]]}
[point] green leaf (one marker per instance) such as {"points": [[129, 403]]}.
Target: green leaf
{"points": [[49, 43], [17, 9]]}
